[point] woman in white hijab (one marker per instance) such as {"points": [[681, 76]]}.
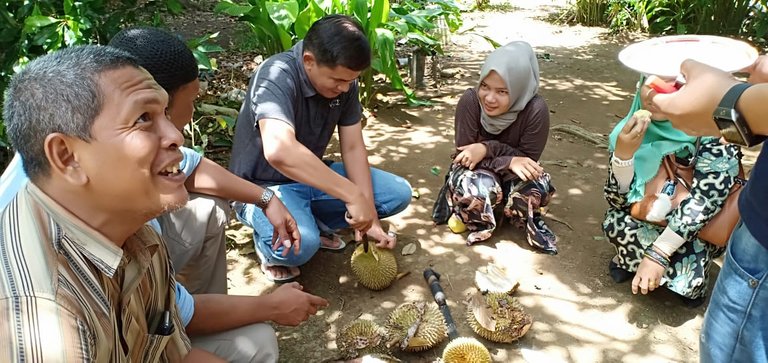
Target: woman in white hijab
{"points": [[502, 126]]}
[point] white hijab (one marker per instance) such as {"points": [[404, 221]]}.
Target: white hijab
{"points": [[516, 64]]}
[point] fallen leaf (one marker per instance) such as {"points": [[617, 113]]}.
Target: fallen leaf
{"points": [[482, 312], [408, 249]]}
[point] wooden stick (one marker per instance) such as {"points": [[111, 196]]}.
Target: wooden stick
{"points": [[213, 110]]}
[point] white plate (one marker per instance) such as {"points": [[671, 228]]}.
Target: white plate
{"points": [[662, 56]]}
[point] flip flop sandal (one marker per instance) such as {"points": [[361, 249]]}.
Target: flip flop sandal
{"points": [[263, 266], [271, 277], [333, 237]]}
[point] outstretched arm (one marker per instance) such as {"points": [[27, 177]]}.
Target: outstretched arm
{"points": [[287, 305], [355, 158], [212, 179], [690, 109], [294, 160]]}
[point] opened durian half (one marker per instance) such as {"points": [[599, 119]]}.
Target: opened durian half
{"points": [[466, 350], [375, 268], [415, 326], [494, 278], [498, 317], [361, 337]]}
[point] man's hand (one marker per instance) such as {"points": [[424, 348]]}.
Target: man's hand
{"points": [[291, 306], [470, 155], [360, 213], [525, 168], [690, 108], [630, 137], [382, 238], [648, 276], [286, 231]]}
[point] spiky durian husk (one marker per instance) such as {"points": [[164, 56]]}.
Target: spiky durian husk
{"points": [[512, 322], [430, 331], [466, 350], [361, 337], [374, 274]]}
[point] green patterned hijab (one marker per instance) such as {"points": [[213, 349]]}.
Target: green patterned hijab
{"points": [[660, 139]]}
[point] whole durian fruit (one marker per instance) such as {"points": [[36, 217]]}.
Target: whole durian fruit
{"points": [[510, 321], [361, 337], [376, 268], [415, 326], [466, 350]]}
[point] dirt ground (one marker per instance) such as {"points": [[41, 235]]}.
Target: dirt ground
{"points": [[580, 314]]}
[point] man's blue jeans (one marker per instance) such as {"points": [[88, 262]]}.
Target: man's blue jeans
{"points": [[316, 211], [736, 323]]}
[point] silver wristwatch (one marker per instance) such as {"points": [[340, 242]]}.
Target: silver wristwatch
{"points": [[266, 196]]}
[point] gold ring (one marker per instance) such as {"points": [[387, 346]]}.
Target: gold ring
{"points": [[648, 93]]}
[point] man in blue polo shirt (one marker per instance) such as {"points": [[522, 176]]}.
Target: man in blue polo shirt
{"points": [[295, 101], [735, 327]]}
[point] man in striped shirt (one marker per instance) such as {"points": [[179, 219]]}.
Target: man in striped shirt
{"points": [[82, 278]]}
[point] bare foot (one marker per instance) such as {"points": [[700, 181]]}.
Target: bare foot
{"points": [[280, 273]]}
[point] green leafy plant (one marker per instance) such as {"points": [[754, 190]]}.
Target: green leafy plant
{"points": [[743, 18], [30, 28], [201, 47], [278, 25]]}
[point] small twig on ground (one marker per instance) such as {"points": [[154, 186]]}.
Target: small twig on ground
{"points": [[449, 281], [341, 308], [552, 217], [582, 133], [401, 275], [559, 163]]}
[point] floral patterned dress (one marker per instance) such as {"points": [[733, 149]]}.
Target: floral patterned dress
{"points": [[716, 171]]}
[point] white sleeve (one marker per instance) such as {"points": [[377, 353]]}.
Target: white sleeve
{"points": [[624, 172], [669, 241]]}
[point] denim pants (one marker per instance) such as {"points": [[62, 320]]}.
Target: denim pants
{"points": [[735, 327], [316, 212]]}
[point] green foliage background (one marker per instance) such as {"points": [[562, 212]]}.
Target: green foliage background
{"points": [[30, 28], [746, 19]]}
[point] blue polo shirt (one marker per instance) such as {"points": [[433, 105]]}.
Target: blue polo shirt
{"points": [[281, 90], [14, 178], [753, 201]]}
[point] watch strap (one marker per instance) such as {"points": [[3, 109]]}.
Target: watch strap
{"points": [[733, 127], [728, 102]]}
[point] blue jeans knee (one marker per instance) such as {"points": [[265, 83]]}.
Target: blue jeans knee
{"points": [[735, 327]]}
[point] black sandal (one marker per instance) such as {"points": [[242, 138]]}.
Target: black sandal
{"points": [[617, 273]]}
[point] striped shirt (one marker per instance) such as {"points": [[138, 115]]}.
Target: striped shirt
{"points": [[67, 294]]}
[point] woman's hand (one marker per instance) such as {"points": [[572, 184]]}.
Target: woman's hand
{"points": [[648, 276], [470, 155], [525, 168], [630, 137]]}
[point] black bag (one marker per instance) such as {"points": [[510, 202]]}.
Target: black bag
{"points": [[441, 211]]}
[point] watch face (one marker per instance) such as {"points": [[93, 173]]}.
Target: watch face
{"points": [[730, 131]]}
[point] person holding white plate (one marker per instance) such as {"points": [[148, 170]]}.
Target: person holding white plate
{"points": [[735, 327]]}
